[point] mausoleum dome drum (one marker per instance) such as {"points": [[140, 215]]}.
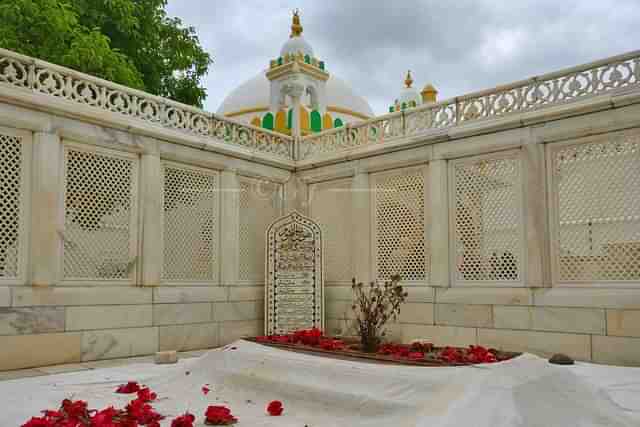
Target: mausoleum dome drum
{"points": [[254, 94]]}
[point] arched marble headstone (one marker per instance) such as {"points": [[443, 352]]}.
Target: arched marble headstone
{"points": [[294, 298]]}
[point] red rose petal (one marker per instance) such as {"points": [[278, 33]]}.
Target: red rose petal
{"points": [[275, 408]]}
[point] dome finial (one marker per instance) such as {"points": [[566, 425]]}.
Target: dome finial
{"points": [[296, 27], [408, 81]]}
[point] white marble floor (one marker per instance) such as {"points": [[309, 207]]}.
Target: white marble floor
{"points": [[86, 366]]}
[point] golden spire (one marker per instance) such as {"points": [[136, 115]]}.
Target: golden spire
{"points": [[296, 27], [408, 81], [429, 93]]}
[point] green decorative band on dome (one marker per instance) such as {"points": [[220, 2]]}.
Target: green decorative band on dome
{"points": [[291, 57]]}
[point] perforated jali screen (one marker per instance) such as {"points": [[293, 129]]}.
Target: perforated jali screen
{"points": [[597, 185], [331, 207], [260, 205], [11, 171], [190, 218], [399, 224], [487, 206], [99, 215]]}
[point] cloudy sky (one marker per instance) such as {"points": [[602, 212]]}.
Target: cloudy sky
{"points": [[460, 46]]}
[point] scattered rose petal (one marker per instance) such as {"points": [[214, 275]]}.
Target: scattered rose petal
{"points": [[219, 416], [205, 390], [146, 395], [275, 408], [128, 388], [185, 420]]}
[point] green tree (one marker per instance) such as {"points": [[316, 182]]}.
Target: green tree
{"points": [[132, 42]]}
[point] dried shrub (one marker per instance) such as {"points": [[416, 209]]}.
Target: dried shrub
{"points": [[374, 306]]}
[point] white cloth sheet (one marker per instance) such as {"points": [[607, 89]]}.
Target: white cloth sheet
{"points": [[325, 392]]}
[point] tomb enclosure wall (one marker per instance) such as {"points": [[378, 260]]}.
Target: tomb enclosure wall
{"points": [[132, 224], [125, 232], [523, 236]]}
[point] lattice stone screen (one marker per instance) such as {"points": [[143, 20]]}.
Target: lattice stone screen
{"points": [[100, 215], [260, 205], [190, 224], [331, 207], [11, 181], [596, 185], [487, 206], [398, 201]]}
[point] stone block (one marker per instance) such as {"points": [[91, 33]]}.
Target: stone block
{"points": [[232, 331], [624, 323], [588, 297], [250, 310], [416, 313], [439, 335], [165, 357], [188, 294], [338, 310], [27, 351], [512, 317], [189, 337], [616, 350], [464, 315], [108, 317], [578, 320], [246, 293], [31, 320], [544, 344], [420, 294], [115, 343], [5, 296], [338, 293], [484, 296], [74, 295], [176, 314]]}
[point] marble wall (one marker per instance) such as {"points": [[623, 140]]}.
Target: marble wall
{"points": [[46, 319]]}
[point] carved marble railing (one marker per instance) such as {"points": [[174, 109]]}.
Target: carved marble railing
{"points": [[49, 79], [556, 88]]}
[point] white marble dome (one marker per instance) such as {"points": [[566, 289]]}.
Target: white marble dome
{"points": [[255, 93], [295, 45], [409, 94]]}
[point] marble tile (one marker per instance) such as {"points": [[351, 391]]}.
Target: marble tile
{"points": [[464, 315], [616, 350], [188, 337], [489, 296], [246, 293], [250, 310], [623, 323], [188, 294], [75, 295], [117, 343], [439, 335], [28, 351], [176, 314], [579, 320], [5, 296], [108, 317], [416, 313], [32, 320], [231, 331]]}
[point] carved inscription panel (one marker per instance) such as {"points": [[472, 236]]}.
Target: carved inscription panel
{"points": [[295, 276]]}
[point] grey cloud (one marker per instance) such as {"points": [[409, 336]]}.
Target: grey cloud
{"points": [[459, 46]]}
